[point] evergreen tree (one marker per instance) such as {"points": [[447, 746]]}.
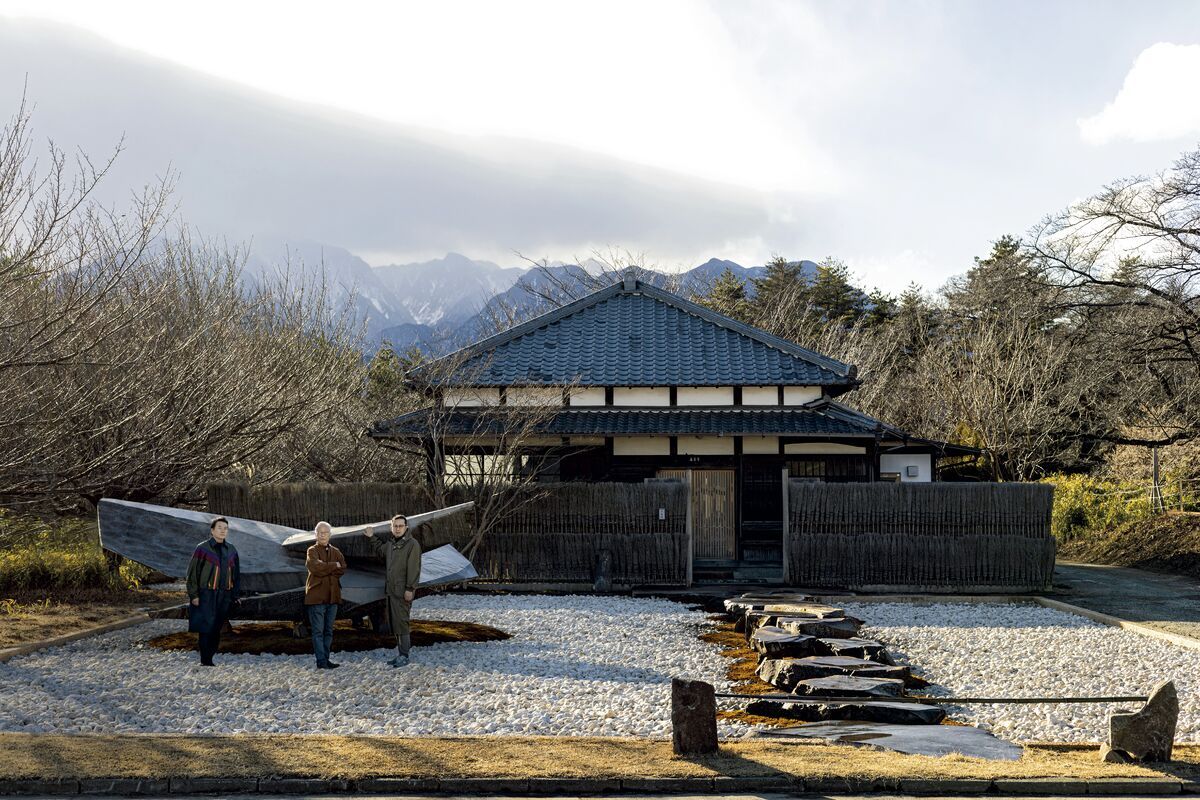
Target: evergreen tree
{"points": [[781, 281], [728, 296], [832, 296]]}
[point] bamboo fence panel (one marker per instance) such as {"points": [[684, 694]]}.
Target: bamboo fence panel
{"points": [[554, 536], [938, 536]]}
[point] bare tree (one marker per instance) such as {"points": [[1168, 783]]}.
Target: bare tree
{"points": [[491, 446], [209, 376], [1129, 260], [62, 257]]}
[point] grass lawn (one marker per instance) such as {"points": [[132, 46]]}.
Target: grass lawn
{"points": [[353, 757]]}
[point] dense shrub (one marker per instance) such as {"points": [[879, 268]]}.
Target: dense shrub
{"points": [[1085, 506], [59, 558]]}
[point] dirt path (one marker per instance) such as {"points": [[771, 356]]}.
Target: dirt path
{"points": [[1168, 602]]}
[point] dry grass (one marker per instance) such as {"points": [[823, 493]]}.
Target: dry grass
{"points": [[276, 637], [31, 619], [146, 756]]}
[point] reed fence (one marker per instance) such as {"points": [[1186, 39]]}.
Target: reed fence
{"points": [[921, 536], [555, 533]]}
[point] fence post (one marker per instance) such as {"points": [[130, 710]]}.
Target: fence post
{"points": [[688, 525], [786, 554], [1156, 497]]}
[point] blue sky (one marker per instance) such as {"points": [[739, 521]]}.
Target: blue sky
{"points": [[900, 137]]}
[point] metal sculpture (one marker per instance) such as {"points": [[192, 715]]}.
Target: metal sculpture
{"points": [[272, 557]]}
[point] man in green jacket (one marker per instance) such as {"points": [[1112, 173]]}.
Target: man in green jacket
{"points": [[401, 555]]}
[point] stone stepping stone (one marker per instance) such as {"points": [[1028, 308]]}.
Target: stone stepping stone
{"points": [[772, 642], [854, 648], [740, 605], [850, 686], [833, 628], [754, 618], [826, 666], [891, 713], [924, 740]]}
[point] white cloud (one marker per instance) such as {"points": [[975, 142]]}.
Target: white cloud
{"points": [[1157, 100], [658, 84]]}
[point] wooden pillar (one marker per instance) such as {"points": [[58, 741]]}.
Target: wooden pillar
{"points": [[787, 562], [688, 527]]}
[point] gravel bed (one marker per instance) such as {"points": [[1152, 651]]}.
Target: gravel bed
{"points": [[576, 665], [1016, 650]]}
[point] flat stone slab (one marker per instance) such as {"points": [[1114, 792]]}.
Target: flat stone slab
{"points": [[854, 648], [891, 713], [850, 686], [832, 628], [772, 642], [740, 605], [825, 666], [923, 740]]}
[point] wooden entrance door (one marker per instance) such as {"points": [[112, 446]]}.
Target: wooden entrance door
{"points": [[714, 520]]}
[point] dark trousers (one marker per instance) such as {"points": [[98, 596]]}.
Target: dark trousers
{"points": [[399, 610], [209, 642], [320, 620]]}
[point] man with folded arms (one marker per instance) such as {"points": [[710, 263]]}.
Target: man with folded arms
{"points": [[323, 591]]}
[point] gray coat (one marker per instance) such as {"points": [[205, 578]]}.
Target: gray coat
{"points": [[402, 562]]}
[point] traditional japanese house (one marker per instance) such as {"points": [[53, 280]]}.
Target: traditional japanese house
{"points": [[645, 385]]}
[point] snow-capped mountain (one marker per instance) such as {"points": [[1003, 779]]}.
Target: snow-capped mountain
{"points": [[452, 288], [447, 302]]}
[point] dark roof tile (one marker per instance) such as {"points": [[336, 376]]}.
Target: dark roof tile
{"points": [[639, 337]]}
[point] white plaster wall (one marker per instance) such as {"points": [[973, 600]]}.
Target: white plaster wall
{"points": [[897, 462], [758, 445], [641, 445], [705, 445], [760, 395], [588, 441], [586, 396], [641, 396], [455, 398], [799, 395], [533, 396], [823, 449], [704, 396]]}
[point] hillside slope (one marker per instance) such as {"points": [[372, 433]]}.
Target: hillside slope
{"points": [[1166, 543]]}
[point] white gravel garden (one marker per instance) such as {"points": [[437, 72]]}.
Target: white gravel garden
{"points": [[575, 666], [1003, 650], [578, 666]]}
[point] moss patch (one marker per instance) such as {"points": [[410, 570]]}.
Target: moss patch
{"points": [[276, 637], [742, 662]]}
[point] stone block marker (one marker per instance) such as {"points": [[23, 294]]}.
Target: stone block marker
{"points": [[1147, 734], [693, 717]]}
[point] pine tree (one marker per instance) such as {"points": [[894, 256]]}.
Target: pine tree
{"points": [[782, 279], [728, 296]]}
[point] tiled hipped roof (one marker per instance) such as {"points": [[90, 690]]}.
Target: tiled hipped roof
{"points": [[632, 334]]}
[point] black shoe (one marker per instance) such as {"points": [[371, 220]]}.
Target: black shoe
{"points": [[207, 664], [331, 665]]}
